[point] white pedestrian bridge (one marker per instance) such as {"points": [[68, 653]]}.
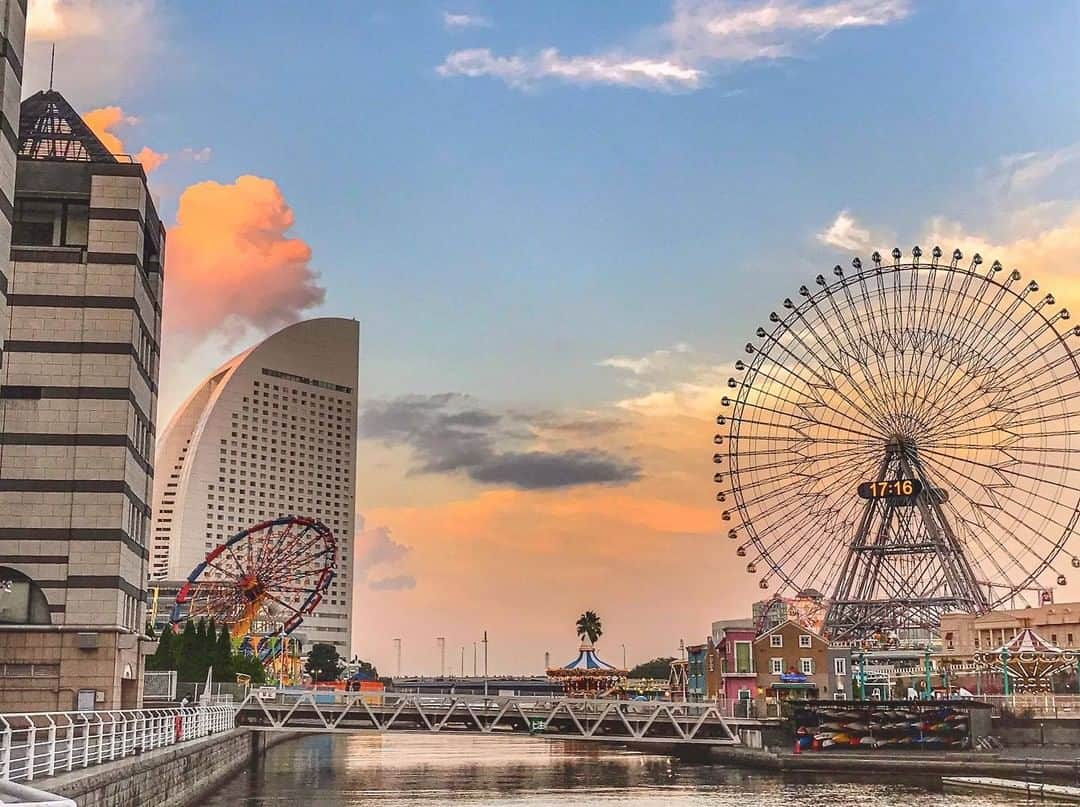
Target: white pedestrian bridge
{"points": [[607, 720]]}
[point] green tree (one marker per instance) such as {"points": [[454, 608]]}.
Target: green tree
{"points": [[323, 663], [223, 657], [365, 671], [249, 665], [588, 626], [187, 666], [657, 668], [164, 658]]}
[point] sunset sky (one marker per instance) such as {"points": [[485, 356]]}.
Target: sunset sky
{"points": [[557, 223]]}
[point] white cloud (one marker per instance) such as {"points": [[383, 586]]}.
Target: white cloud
{"points": [[452, 21], [650, 362], [722, 30], [1026, 171], [521, 71], [699, 34], [103, 47], [196, 155], [846, 233]]}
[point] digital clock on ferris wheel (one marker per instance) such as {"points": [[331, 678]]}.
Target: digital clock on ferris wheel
{"points": [[890, 489]]}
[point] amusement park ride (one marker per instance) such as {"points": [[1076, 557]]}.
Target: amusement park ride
{"points": [[901, 438], [261, 583]]}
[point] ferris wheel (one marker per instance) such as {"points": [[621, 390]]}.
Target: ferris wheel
{"points": [[903, 437], [261, 582]]}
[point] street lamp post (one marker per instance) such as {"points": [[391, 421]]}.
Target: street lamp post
{"points": [[926, 673], [862, 675], [397, 645], [485, 664], [624, 656]]}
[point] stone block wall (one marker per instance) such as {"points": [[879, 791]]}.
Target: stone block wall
{"points": [[166, 777]]}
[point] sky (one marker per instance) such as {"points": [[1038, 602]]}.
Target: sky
{"points": [[557, 224]]}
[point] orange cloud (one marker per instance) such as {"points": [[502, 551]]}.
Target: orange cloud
{"points": [[149, 158], [230, 262], [102, 121]]}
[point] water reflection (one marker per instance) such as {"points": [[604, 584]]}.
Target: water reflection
{"points": [[419, 769]]}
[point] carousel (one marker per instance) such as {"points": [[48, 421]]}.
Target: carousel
{"points": [[588, 676], [1026, 663]]}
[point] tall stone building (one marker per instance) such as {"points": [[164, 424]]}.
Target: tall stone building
{"points": [[12, 36], [78, 398], [272, 432]]}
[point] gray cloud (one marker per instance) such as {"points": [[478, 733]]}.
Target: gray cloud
{"points": [[376, 547], [401, 582], [449, 433]]}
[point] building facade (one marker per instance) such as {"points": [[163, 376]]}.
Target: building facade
{"points": [[270, 433], [78, 399], [735, 677], [696, 655], [12, 37], [791, 661], [963, 634]]}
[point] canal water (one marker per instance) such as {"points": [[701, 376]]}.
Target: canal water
{"points": [[394, 770]]}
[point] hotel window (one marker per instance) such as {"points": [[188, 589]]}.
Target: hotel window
{"points": [[806, 666], [776, 640], [804, 640], [776, 666], [840, 666]]}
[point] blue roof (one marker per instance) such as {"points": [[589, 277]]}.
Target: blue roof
{"points": [[588, 660]]}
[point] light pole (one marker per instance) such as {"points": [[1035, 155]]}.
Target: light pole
{"points": [[397, 644], [624, 656], [485, 664], [463, 661], [442, 655], [474, 659]]}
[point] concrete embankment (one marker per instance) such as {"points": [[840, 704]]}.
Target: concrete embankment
{"points": [[165, 777], [1027, 792], [950, 764]]}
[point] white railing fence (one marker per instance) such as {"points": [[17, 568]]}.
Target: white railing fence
{"points": [[40, 744], [1041, 705]]}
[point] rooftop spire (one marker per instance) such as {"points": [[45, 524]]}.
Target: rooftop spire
{"points": [[50, 129]]}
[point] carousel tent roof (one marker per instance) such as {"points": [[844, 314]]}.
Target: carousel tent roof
{"points": [[588, 660]]}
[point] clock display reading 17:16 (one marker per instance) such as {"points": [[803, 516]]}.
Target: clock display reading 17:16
{"points": [[890, 489]]}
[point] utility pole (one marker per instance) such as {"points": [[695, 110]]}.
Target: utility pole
{"points": [[442, 655], [485, 664], [397, 645]]}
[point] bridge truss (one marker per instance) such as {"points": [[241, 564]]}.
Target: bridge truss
{"points": [[557, 718]]}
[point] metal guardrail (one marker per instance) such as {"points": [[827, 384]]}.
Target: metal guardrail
{"points": [[34, 745], [1033, 705]]}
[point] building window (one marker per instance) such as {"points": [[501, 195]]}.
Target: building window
{"points": [[22, 602], [743, 658], [806, 666], [776, 666], [804, 640], [776, 640], [840, 666], [44, 223]]}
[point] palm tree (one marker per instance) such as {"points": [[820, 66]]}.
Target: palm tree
{"points": [[588, 626]]}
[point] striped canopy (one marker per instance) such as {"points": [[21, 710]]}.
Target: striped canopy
{"points": [[588, 660]]}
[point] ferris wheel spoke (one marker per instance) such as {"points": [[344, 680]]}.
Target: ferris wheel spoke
{"points": [[1001, 492]]}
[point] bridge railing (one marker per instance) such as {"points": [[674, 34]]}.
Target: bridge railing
{"points": [[34, 745]]}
